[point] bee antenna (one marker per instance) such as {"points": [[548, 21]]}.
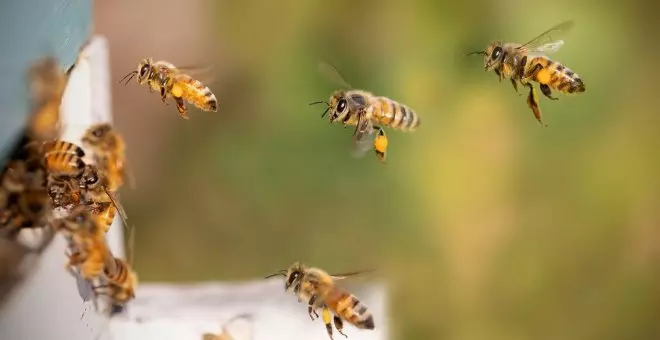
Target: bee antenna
{"points": [[477, 52], [320, 102], [326, 111], [131, 74], [281, 272]]}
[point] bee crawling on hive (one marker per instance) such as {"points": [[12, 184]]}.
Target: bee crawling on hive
{"points": [[172, 82]]}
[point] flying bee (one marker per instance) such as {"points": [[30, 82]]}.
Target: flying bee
{"points": [[173, 82], [47, 83], [319, 290], [108, 148], [369, 114], [524, 63]]}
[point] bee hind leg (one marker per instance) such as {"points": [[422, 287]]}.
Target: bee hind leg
{"points": [[380, 144], [181, 106], [327, 321], [547, 92], [339, 325], [533, 103]]}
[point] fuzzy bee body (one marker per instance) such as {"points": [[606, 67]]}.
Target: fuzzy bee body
{"points": [[319, 290], [526, 63], [171, 82], [378, 110]]}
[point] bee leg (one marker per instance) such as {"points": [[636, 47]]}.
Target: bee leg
{"points": [[326, 320], [163, 95], [380, 144], [310, 308], [547, 92], [515, 86], [339, 325], [533, 103], [531, 74], [181, 106], [499, 74]]}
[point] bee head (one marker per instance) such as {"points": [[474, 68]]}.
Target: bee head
{"points": [[96, 133], [294, 275], [338, 106], [90, 178], [493, 56], [144, 70]]}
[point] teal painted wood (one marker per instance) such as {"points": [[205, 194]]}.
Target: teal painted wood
{"points": [[29, 30]]}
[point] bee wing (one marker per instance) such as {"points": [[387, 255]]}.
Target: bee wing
{"points": [[332, 74], [363, 139], [351, 274], [548, 48], [202, 73], [547, 37]]}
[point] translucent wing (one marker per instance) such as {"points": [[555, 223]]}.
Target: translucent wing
{"points": [[363, 141], [352, 274], [332, 74], [201, 73], [547, 37], [548, 48]]}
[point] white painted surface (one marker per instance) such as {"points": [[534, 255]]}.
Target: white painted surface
{"points": [[185, 312], [48, 304]]}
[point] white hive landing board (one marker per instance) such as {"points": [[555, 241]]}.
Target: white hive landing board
{"points": [[48, 304], [185, 312]]}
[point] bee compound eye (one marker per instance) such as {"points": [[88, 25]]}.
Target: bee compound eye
{"points": [[143, 71], [341, 106], [496, 53]]}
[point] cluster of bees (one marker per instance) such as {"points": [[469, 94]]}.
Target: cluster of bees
{"points": [[51, 185], [47, 174], [523, 64]]}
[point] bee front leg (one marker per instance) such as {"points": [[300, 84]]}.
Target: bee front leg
{"points": [[310, 308], [339, 325], [547, 92], [327, 318], [499, 74], [181, 106]]}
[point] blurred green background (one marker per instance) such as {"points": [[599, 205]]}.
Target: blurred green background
{"points": [[484, 224]]}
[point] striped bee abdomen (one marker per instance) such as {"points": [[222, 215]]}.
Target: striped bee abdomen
{"points": [[198, 94], [64, 164], [62, 146], [395, 115], [349, 308], [556, 76]]}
